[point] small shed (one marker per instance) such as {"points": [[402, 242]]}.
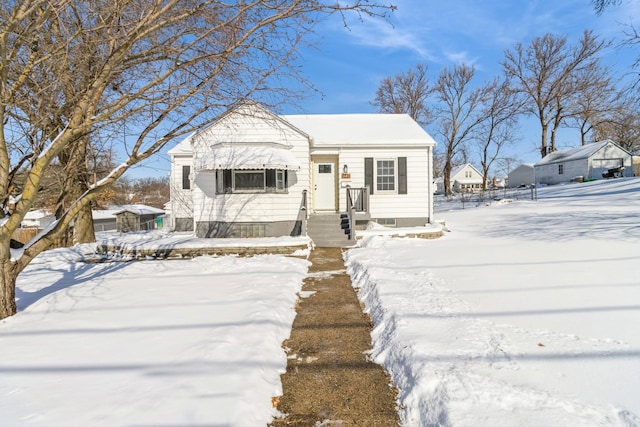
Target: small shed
{"points": [[104, 219], [521, 176], [137, 218], [597, 160]]}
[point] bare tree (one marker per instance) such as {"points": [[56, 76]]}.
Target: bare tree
{"points": [[622, 124], [406, 93], [595, 97], [499, 116], [547, 71], [458, 113], [163, 67], [601, 5]]}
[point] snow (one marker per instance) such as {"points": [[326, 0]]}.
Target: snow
{"points": [[526, 313], [523, 313]]}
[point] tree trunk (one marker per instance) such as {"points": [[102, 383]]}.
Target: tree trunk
{"points": [[446, 177], [543, 142], [7, 290], [83, 227], [75, 184]]}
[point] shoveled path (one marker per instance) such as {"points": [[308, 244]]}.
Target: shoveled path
{"points": [[329, 380]]}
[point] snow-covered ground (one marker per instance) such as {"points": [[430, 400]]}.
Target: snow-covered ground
{"points": [[525, 313]]}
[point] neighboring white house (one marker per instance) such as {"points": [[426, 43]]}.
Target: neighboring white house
{"points": [[590, 161], [254, 173], [38, 218], [521, 176], [463, 179]]}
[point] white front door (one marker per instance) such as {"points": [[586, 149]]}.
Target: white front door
{"points": [[324, 186]]}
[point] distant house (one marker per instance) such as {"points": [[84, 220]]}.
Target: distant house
{"points": [[521, 176], [597, 160], [463, 179], [137, 218], [37, 218]]}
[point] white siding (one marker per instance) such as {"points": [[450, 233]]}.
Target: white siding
{"points": [[550, 173], [522, 175], [414, 204], [181, 200], [260, 207]]}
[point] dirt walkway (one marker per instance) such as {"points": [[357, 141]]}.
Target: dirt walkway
{"points": [[329, 379]]}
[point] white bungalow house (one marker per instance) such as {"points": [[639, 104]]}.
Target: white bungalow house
{"points": [[253, 173], [521, 176], [596, 160], [463, 179]]}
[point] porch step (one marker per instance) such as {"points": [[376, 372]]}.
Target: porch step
{"points": [[329, 230]]}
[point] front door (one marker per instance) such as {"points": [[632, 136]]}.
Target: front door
{"points": [[324, 186]]}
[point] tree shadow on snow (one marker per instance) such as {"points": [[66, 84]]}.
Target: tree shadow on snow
{"points": [[77, 274]]}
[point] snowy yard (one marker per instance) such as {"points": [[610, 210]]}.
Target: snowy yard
{"points": [[525, 313]]}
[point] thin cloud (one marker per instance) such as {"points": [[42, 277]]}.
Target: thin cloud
{"points": [[461, 58], [390, 36]]}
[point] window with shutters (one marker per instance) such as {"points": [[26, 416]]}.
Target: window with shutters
{"points": [[386, 175]]}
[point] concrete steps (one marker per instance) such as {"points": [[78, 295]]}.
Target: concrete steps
{"points": [[329, 230]]}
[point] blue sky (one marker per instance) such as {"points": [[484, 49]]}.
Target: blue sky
{"points": [[346, 65]]}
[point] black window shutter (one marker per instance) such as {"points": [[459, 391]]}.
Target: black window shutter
{"points": [[368, 173], [402, 175], [186, 182]]}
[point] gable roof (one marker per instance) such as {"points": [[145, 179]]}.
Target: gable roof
{"points": [[250, 109], [578, 153], [361, 129], [455, 171], [337, 130]]}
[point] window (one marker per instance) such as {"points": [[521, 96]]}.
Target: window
{"points": [[251, 181], [560, 169], [248, 180], [324, 168], [186, 181], [385, 175]]}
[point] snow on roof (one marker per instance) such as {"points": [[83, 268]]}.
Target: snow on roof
{"points": [[139, 210], [183, 147], [345, 129], [577, 153], [104, 213], [247, 156], [460, 168], [361, 129], [37, 214]]}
